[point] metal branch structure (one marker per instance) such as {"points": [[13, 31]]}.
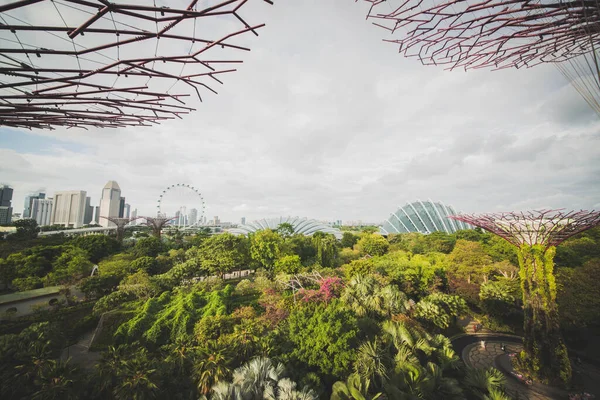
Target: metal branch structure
{"points": [[99, 63], [473, 34], [536, 235], [496, 33], [157, 224], [543, 227], [120, 223]]}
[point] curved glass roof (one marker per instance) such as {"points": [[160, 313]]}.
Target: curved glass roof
{"points": [[423, 217], [302, 226]]}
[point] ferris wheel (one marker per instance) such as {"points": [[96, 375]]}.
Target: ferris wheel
{"points": [[184, 202]]}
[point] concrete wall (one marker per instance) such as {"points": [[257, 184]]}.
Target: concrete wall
{"points": [[29, 306]]}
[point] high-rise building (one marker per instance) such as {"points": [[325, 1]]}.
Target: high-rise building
{"points": [[97, 214], [69, 208], [243, 221], [193, 216], [110, 202], [134, 215], [89, 212], [6, 193], [217, 221], [127, 210], [27, 211], [5, 215], [41, 211], [122, 207]]}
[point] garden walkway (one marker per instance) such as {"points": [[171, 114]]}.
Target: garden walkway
{"points": [[80, 354], [485, 350]]}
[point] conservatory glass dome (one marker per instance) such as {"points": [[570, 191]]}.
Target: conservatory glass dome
{"points": [[424, 217], [302, 226]]}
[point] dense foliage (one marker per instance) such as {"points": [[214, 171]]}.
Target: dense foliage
{"points": [[362, 318]]}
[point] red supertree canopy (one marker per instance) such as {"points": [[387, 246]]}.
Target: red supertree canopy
{"points": [[490, 33], [80, 63], [545, 227]]}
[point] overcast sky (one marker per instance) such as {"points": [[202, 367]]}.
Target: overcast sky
{"points": [[324, 120]]}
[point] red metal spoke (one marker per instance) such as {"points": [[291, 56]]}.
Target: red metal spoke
{"points": [[77, 86], [545, 227], [490, 33]]}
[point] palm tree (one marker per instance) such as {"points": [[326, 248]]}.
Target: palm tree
{"points": [[55, 381], [256, 376], [179, 356], [394, 301], [416, 375], [355, 388], [211, 366], [365, 296], [135, 377], [372, 362], [260, 379], [484, 383], [108, 366], [403, 336], [226, 391], [286, 390]]}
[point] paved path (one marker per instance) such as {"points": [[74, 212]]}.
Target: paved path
{"points": [[80, 354], [474, 354]]}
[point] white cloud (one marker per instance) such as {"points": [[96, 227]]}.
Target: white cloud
{"points": [[325, 120]]}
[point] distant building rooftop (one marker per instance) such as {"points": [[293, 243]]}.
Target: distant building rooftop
{"points": [[29, 294]]}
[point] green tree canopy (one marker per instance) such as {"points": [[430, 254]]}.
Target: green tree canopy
{"points": [[265, 248], [148, 247], [327, 248], [72, 265], [288, 264], [324, 337], [349, 239], [469, 260], [285, 229], [26, 229], [97, 246], [373, 245], [223, 253]]}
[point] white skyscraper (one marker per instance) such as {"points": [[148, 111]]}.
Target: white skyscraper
{"points": [[109, 202], [193, 216], [127, 211], [69, 208], [41, 211]]}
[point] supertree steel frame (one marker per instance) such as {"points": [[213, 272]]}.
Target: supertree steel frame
{"points": [[107, 64], [120, 223], [497, 33], [500, 34], [157, 224], [536, 234]]}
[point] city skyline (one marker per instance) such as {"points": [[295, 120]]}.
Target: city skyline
{"points": [[345, 120]]}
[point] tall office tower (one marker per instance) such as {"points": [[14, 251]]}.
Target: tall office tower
{"points": [[6, 193], [127, 211], [243, 221], [41, 211], [134, 215], [97, 214], [69, 208], [193, 216], [110, 202], [217, 220], [121, 207], [27, 211], [89, 212]]}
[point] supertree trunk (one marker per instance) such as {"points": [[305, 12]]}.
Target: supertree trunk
{"points": [[536, 234], [545, 355]]}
